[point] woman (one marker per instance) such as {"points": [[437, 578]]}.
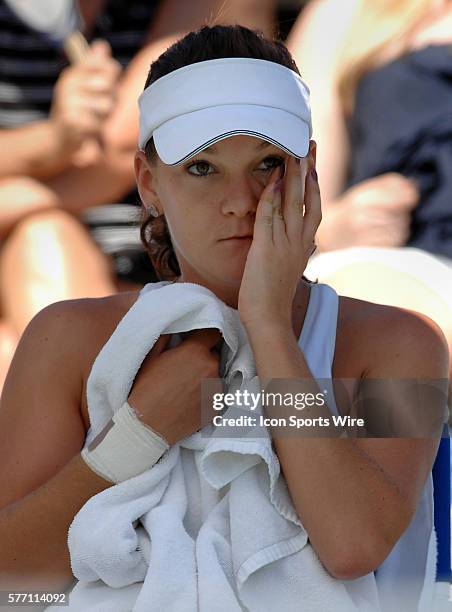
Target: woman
{"points": [[385, 68], [81, 212], [379, 74], [223, 221]]}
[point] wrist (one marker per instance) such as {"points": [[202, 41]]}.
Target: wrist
{"points": [[125, 448], [140, 417], [42, 152], [64, 141], [265, 329], [158, 424]]}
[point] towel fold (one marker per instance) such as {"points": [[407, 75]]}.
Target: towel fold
{"points": [[211, 526]]}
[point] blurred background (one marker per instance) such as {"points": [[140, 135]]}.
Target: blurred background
{"points": [[70, 75], [379, 72]]}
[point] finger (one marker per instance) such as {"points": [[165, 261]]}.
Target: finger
{"points": [[391, 193], [397, 201], [99, 62], [388, 237], [263, 223], [294, 194], [386, 219], [209, 337], [402, 223], [375, 218], [96, 63], [108, 69], [99, 49], [159, 346], [313, 209], [399, 182], [101, 106], [398, 233], [279, 223], [88, 125], [97, 84]]}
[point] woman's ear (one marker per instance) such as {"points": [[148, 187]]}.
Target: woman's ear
{"points": [[145, 179]]}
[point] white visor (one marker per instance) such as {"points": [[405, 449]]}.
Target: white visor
{"points": [[200, 104]]}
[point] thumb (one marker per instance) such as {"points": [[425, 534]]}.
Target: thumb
{"points": [[99, 49], [210, 337], [159, 346]]}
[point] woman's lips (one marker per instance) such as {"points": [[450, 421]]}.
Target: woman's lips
{"points": [[242, 240], [239, 237]]}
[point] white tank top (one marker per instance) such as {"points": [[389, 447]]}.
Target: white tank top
{"points": [[409, 569]]}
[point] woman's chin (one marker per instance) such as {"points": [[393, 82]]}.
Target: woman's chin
{"points": [[231, 273], [235, 266]]}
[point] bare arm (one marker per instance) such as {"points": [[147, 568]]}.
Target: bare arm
{"points": [[33, 530], [111, 175], [356, 497], [82, 98], [314, 41], [43, 479], [72, 190], [58, 163], [36, 149], [173, 21], [375, 212]]}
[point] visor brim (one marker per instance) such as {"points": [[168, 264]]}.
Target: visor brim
{"points": [[183, 137]]}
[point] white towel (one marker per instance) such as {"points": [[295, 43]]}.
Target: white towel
{"points": [[211, 526]]}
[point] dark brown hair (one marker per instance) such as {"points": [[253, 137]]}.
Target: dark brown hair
{"points": [[206, 43]]}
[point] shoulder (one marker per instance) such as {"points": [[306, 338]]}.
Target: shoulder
{"points": [[42, 420], [72, 322], [69, 335], [393, 341]]}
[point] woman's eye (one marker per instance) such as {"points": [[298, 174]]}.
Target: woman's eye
{"points": [[204, 166], [277, 161]]}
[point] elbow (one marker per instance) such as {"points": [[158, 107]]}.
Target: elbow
{"points": [[356, 560], [351, 567], [353, 564], [362, 550]]}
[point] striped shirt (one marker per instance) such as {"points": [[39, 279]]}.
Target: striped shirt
{"points": [[30, 62]]}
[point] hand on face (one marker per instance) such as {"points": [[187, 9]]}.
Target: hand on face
{"points": [[282, 244]]}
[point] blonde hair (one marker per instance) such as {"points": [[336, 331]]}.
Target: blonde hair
{"points": [[375, 24]]}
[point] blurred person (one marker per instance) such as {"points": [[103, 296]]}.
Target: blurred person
{"points": [[62, 233], [288, 11], [384, 96], [380, 79]]}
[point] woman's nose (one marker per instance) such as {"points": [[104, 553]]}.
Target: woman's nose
{"points": [[241, 197]]}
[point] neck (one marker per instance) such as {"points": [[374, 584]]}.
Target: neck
{"points": [[229, 294], [230, 297]]}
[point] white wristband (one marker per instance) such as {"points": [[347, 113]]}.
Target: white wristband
{"points": [[125, 448]]}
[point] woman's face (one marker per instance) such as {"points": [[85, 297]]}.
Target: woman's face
{"points": [[208, 200]]}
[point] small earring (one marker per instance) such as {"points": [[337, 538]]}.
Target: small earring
{"points": [[153, 210]]}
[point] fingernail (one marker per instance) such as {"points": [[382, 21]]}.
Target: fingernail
{"points": [[277, 184], [274, 175]]}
